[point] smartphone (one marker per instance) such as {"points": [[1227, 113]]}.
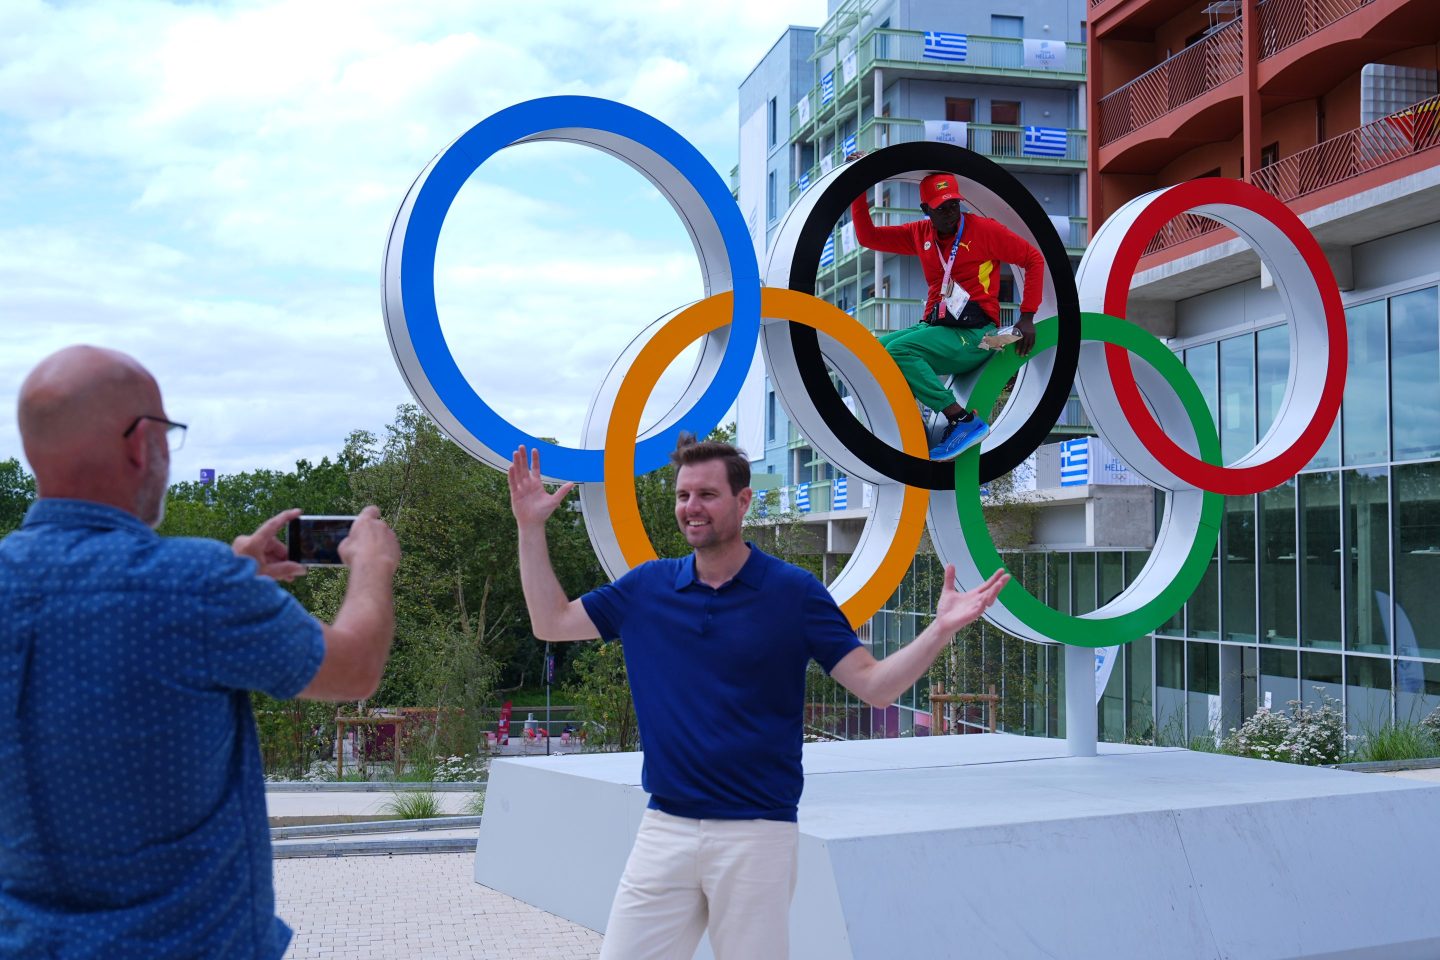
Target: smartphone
{"points": [[315, 540]]}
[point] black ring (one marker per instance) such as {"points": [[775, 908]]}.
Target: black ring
{"points": [[859, 176]]}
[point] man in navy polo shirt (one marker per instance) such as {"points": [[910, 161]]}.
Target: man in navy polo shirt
{"points": [[132, 821], [716, 647]]}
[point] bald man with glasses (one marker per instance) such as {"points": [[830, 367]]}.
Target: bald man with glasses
{"points": [[133, 822]]}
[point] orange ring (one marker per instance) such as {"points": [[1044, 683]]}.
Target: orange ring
{"points": [[710, 314]]}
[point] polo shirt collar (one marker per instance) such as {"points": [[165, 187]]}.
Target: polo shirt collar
{"points": [[752, 574], [83, 513]]}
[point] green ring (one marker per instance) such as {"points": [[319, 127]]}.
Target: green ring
{"points": [[1088, 630]]}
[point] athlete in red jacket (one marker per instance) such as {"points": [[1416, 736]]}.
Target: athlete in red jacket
{"points": [[956, 250]]}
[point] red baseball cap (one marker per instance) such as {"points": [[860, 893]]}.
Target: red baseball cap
{"points": [[939, 187]]}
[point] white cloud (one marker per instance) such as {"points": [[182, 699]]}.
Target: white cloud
{"points": [[210, 188]]}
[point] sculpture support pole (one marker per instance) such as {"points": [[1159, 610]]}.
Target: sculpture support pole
{"points": [[1081, 729]]}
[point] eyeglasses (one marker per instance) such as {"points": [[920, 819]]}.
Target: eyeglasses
{"points": [[174, 432]]}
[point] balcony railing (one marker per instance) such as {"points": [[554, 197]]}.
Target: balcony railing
{"points": [[1284, 22], [1004, 144], [1355, 152], [1185, 227], [997, 141], [1338, 159], [884, 314], [981, 53], [1199, 67]]}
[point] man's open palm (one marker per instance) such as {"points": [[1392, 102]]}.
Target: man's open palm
{"points": [[529, 500], [956, 610]]}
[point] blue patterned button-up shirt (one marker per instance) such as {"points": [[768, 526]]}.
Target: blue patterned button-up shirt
{"points": [[132, 811]]}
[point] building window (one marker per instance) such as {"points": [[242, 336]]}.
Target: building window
{"points": [[1270, 153], [1415, 336], [1367, 567], [960, 109], [1364, 418], [1417, 559], [1237, 397], [1320, 612], [772, 125], [1001, 26], [770, 417], [770, 198], [1278, 565]]}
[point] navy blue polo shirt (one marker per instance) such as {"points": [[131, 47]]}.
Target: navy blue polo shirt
{"points": [[718, 677], [132, 821]]}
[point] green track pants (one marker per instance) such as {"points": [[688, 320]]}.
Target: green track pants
{"points": [[926, 352]]}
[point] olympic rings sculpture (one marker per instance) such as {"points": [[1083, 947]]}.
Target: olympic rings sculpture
{"points": [[1152, 414]]}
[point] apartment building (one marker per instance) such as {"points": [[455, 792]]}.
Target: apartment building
{"points": [[1007, 82], [1323, 586]]}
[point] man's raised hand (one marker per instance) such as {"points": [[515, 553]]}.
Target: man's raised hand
{"points": [[956, 610], [531, 503]]}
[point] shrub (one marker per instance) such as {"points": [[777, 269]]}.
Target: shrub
{"points": [[466, 769], [1264, 736], [1308, 735], [1432, 724], [1399, 741], [414, 806]]}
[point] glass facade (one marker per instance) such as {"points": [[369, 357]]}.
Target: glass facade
{"points": [[1325, 586]]}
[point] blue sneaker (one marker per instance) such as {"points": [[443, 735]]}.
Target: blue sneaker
{"points": [[959, 437]]}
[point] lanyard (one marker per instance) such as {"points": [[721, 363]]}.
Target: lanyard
{"points": [[946, 264]]}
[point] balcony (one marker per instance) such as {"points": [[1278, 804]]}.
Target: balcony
{"points": [[1382, 143], [1308, 46], [884, 314], [1001, 143], [1396, 142], [1005, 55], [904, 51], [1286, 22], [1201, 67]]}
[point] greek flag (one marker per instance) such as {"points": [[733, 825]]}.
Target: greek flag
{"points": [[802, 498], [847, 146], [1044, 142], [841, 500], [827, 88], [827, 253], [949, 47], [1075, 462], [804, 182]]}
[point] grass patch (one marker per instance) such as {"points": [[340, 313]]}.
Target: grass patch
{"points": [[419, 769], [1398, 741], [475, 804], [419, 805]]}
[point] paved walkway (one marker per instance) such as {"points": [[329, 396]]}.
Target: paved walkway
{"points": [[414, 908]]}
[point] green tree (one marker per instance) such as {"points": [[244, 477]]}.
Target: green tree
{"points": [[17, 493]]}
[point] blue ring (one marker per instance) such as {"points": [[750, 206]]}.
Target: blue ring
{"points": [[422, 236]]}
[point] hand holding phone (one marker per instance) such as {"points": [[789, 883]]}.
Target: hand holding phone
{"points": [[315, 540]]}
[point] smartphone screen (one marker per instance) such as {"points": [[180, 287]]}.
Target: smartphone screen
{"points": [[315, 541]]}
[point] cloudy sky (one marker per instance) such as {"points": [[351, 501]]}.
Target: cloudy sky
{"points": [[209, 187]]}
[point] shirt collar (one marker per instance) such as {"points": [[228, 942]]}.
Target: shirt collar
{"points": [[752, 574], [83, 513]]}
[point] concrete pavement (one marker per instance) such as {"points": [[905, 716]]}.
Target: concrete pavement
{"points": [[415, 908]]}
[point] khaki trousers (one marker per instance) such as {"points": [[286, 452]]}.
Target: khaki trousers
{"points": [[732, 877]]}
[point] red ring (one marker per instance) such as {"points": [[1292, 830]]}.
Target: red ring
{"points": [[1217, 479]]}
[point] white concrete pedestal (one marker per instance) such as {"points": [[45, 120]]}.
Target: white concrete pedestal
{"points": [[1000, 846]]}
